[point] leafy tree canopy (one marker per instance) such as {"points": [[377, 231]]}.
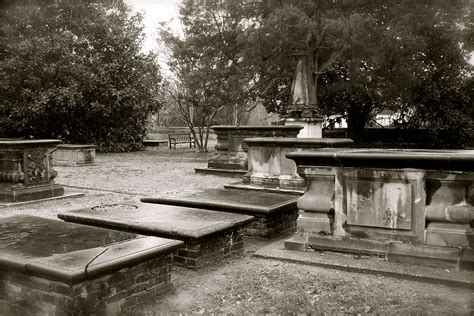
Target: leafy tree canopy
{"points": [[73, 70], [410, 57], [208, 75], [368, 56]]}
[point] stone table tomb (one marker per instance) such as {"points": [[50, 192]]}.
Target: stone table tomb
{"points": [[26, 170]]}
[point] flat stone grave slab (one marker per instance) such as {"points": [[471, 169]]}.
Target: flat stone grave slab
{"points": [[208, 235], [275, 213], [49, 267]]}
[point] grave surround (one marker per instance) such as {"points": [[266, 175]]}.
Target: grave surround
{"points": [[48, 267], [207, 235]]}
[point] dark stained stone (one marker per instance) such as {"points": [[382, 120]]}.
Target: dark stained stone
{"points": [[25, 143], [298, 142], [70, 252], [181, 223], [256, 203]]}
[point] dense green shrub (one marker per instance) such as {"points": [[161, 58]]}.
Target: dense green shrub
{"points": [[73, 70]]}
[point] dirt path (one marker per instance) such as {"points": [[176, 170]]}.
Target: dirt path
{"points": [[239, 285]]}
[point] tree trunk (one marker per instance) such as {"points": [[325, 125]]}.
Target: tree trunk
{"points": [[357, 118]]}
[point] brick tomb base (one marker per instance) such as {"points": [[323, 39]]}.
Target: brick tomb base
{"points": [[48, 279], [25, 294], [272, 225], [197, 253]]}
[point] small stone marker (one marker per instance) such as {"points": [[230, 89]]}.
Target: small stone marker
{"points": [[207, 235], [49, 267]]}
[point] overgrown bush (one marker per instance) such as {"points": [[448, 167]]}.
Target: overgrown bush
{"points": [[73, 70]]}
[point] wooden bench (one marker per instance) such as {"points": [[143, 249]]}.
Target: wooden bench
{"points": [[181, 138]]}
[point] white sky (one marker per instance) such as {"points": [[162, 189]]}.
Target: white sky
{"points": [[155, 11]]}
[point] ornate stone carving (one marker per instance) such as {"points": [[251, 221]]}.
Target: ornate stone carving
{"points": [[25, 170], [36, 166]]}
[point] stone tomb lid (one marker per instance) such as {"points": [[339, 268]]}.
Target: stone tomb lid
{"points": [[76, 146], [72, 253], [299, 142], [455, 160], [21, 143], [259, 128], [256, 203], [167, 221]]}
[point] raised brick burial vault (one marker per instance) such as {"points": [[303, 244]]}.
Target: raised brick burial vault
{"points": [[26, 171], [48, 267], [272, 214], [410, 206], [231, 150], [207, 235]]}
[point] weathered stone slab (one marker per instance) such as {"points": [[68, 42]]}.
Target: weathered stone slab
{"points": [[445, 257], [376, 203], [26, 171], [207, 235], [393, 251], [50, 267], [230, 200], [345, 244], [366, 264], [275, 213], [449, 234], [74, 155]]}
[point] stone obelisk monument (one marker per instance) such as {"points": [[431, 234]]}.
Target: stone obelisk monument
{"points": [[303, 109]]}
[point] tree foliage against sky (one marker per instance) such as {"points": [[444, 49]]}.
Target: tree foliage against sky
{"points": [[73, 70], [366, 56], [208, 75]]}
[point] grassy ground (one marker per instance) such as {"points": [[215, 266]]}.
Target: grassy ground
{"points": [[242, 284]]}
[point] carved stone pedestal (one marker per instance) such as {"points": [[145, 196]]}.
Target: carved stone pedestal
{"points": [[312, 127], [317, 204], [26, 171]]}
